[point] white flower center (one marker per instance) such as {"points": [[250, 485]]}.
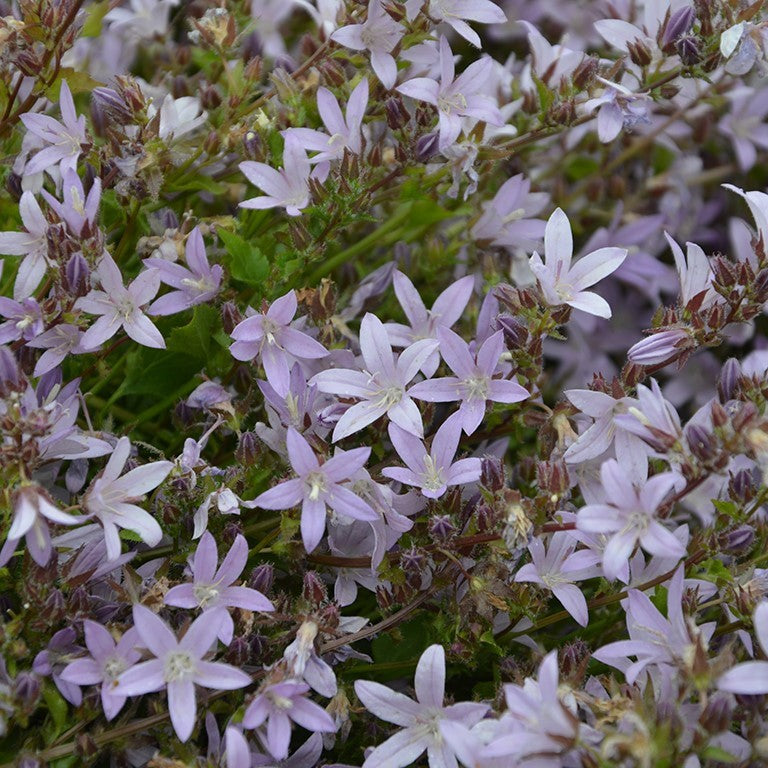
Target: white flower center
{"points": [[433, 477], [179, 665], [205, 594], [317, 485], [477, 387]]}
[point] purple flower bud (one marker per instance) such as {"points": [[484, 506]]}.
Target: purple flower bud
{"points": [[251, 46], [110, 102], [718, 713], [515, 333], [13, 186], [728, 380], [239, 652], [574, 657], [76, 275], [441, 528], [426, 147], [314, 589], [54, 609], [740, 539], [248, 449], [689, 50], [702, 443], [26, 686], [492, 473], [679, 23], [742, 486]]}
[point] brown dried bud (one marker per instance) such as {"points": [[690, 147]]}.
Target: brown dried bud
{"points": [[639, 53], [314, 590]]}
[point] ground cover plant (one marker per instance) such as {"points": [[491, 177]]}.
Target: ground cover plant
{"points": [[383, 383]]}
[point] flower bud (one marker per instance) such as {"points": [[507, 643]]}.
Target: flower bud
{"points": [[76, 275], [230, 316], [492, 474], [253, 146], [239, 652], [701, 442], [585, 73], [742, 487], [26, 687], [718, 714], [441, 528], [251, 46], [740, 539], [426, 147], [679, 23], [247, 451], [639, 53], [54, 609], [728, 380], [574, 658], [515, 333], [111, 103], [396, 113], [689, 50], [314, 589]]}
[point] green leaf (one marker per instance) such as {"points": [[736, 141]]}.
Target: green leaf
{"points": [[57, 706], [194, 338], [93, 22], [158, 372], [246, 262], [712, 752]]}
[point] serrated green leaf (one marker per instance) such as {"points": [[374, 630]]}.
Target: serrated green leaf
{"points": [[194, 338], [246, 262], [94, 18]]}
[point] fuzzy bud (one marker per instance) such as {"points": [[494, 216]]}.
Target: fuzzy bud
{"points": [[718, 714], [426, 147], [396, 113], [239, 652], [701, 442], [230, 316], [247, 449], [740, 539], [639, 53], [76, 275], [314, 589], [741, 486], [26, 687], [679, 23], [728, 380], [441, 528], [515, 333], [262, 578], [689, 50], [585, 73], [492, 475]]}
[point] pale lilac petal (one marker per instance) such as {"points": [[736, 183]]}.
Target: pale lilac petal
{"points": [[430, 677], [146, 677], [283, 496], [344, 502], [206, 559], [313, 514], [402, 749], [182, 707], [573, 601], [302, 457], [220, 676], [387, 704], [751, 678], [153, 631]]}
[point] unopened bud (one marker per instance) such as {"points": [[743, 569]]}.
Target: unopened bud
{"points": [[314, 590], [702, 443], [585, 73], [492, 474], [426, 147], [679, 23], [515, 333], [639, 53], [441, 528], [689, 50], [247, 449], [728, 380], [76, 275], [740, 539], [396, 113], [230, 316]]}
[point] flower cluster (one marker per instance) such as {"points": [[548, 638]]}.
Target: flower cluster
{"points": [[383, 383]]}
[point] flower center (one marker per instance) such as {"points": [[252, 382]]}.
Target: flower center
{"points": [[179, 665], [454, 102], [477, 387], [205, 594], [433, 475], [112, 668], [317, 485], [392, 395]]}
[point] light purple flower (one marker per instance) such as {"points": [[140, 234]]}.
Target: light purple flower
{"points": [[507, 219], [434, 471], [424, 323], [31, 512], [456, 98], [64, 139], [617, 108], [473, 383], [381, 387], [24, 320], [212, 588], [628, 517], [277, 705], [378, 34], [111, 498], [196, 283], [562, 283], [454, 13], [120, 306], [317, 487], [287, 188], [58, 342], [32, 244], [558, 567], [53, 659], [750, 677], [423, 722], [271, 337], [178, 666], [659, 644], [107, 661], [745, 124], [77, 208], [305, 664], [344, 133]]}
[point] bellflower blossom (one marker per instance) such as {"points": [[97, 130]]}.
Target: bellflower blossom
{"points": [[110, 499], [382, 386], [425, 323], [64, 139], [78, 209], [24, 320], [434, 471], [287, 188], [423, 721], [473, 383], [178, 665], [32, 245], [271, 336], [455, 97], [279, 704], [456, 13], [344, 132], [317, 487], [212, 588], [32, 511], [562, 283], [379, 34], [120, 306], [557, 567], [107, 661], [628, 517], [196, 283]]}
